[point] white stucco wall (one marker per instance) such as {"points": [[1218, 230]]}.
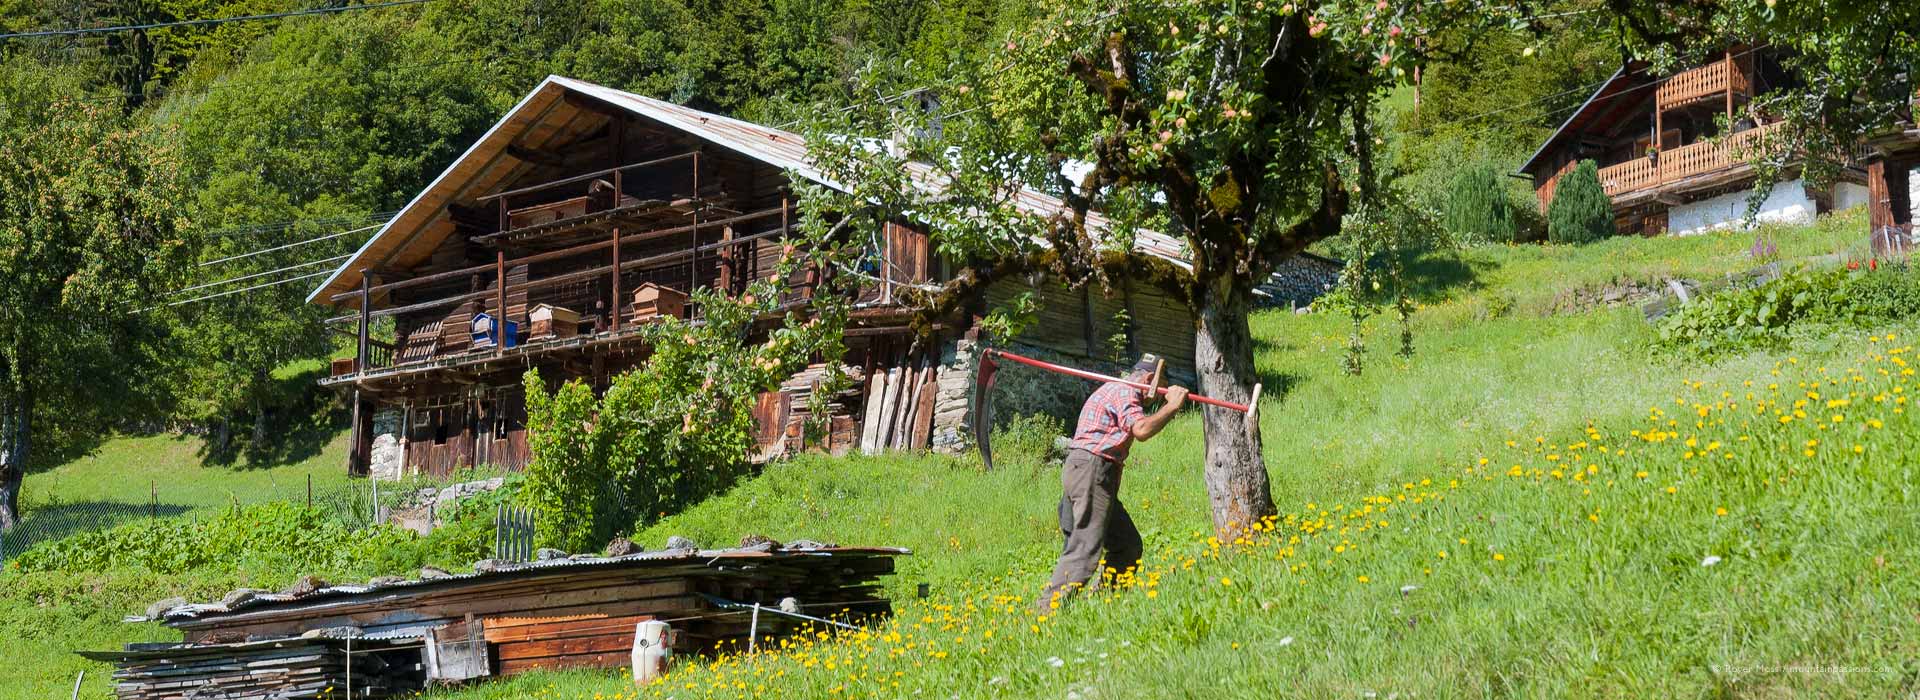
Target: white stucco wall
{"points": [[1913, 185], [1847, 195], [1786, 203]]}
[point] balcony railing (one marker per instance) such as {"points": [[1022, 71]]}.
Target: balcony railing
{"points": [[1708, 81], [1680, 163], [730, 262]]}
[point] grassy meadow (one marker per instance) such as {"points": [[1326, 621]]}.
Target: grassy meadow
{"points": [[1531, 506]]}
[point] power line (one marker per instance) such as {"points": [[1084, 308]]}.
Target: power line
{"points": [[309, 263], [202, 22], [279, 226], [290, 245], [235, 291], [1428, 130]]}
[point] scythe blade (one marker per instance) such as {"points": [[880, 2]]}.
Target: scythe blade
{"points": [[983, 407]]}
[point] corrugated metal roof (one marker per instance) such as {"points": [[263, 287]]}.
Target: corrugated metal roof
{"points": [[775, 147], [320, 596], [155, 652], [788, 150]]}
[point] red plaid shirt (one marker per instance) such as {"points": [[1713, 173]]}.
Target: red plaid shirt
{"points": [[1106, 421]]}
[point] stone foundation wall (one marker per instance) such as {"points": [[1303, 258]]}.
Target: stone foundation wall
{"points": [[1018, 390], [951, 426], [389, 457]]}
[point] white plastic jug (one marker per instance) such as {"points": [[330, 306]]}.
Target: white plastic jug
{"points": [[651, 651]]}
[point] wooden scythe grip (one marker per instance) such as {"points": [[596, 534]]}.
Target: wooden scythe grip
{"points": [[1159, 380]]}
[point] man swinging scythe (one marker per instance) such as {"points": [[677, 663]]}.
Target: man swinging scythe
{"points": [[1091, 516]]}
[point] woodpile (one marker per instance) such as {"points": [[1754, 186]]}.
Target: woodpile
{"points": [[899, 411], [560, 612], [277, 670], [793, 413]]}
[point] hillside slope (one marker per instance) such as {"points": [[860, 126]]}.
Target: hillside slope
{"points": [[1530, 507], [1598, 587]]}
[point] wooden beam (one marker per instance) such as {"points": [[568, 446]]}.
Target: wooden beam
{"points": [[500, 302], [585, 176], [366, 301], [614, 307], [528, 155]]}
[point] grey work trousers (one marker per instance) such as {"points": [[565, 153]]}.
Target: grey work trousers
{"points": [[1091, 519]]}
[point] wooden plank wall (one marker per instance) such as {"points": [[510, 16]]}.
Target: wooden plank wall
{"points": [[427, 455], [1084, 324]]}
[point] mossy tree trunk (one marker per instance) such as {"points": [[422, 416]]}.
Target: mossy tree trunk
{"points": [[16, 422], [1236, 473]]}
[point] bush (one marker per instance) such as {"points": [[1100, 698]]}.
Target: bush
{"points": [[1477, 210], [1766, 316], [1028, 438], [667, 433], [1580, 212]]}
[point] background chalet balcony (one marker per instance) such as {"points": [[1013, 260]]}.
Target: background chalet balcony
{"points": [[1711, 81], [1678, 164]]}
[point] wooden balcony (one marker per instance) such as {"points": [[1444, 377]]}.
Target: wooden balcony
{"points": [[1678, 164], [1708, 82]]}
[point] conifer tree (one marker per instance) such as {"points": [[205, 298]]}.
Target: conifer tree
{"points": [[1477, 206], [1580, 212]]}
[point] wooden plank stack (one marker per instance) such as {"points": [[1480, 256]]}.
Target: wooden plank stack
{"points": [[286, 669], [841, 434], [899, 409], [561, 613]]}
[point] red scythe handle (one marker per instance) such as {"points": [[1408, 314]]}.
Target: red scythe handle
{"points": [[1098, 377]]}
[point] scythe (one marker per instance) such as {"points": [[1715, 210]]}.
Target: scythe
{"points": [[982, 418], [983, 390]]}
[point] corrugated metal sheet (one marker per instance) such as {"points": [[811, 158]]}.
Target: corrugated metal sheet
{"points": [[641, 560], [776, 147]]}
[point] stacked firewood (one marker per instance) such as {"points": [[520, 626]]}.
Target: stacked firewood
{"points": [[841, 429]]}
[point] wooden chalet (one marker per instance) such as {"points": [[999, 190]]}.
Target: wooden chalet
{"points": [[584, 213], [1662, 163]]}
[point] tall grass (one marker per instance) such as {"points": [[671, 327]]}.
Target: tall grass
{"points": [[1683, 541]]}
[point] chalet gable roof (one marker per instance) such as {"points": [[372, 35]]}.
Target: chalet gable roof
{"points": [[546, 115], [1613, 97]]}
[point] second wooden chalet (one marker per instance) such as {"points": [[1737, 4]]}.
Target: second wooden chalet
{"points": [[586, 212], [1663, 163]]}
